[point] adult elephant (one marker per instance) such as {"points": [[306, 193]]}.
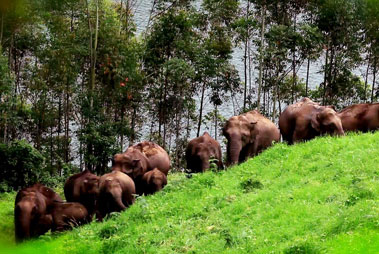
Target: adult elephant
{"points": [[66, 215], [82, 188], [360, 117], [200, 150], [31, 206], [306, 119], [116, 193], [140, 158], [248, 134], [152, 181]]}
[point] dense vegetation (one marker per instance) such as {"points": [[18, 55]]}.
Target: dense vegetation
{"points": [[79, 84], [314, 197]]}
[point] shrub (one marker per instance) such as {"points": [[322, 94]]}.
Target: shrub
{"points": [[20, 165]]}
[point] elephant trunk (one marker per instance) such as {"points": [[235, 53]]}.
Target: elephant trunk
{"points": [[339, 131], [22, 222], [234, 149]]}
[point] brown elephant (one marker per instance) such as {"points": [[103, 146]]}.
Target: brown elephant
{"points": [[66, 215], [200, 150], [248, 134], [31, 206], [116, 193], [360, 117], [140, 158], [152, 181], [83, 188], [306, 119]]}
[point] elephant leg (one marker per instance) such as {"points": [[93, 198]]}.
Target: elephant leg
{"points": [[300, 134], [251, 150], [244, 154]]}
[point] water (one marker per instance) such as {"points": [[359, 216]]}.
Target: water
{"points": [[142, 11]]}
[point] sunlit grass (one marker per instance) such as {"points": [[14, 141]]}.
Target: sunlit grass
{"points": [[315, 197]]}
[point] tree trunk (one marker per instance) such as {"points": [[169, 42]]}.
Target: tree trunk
{"points": [[1, 30], [67, 123], [94, 57], [293, 63], [59, 143], [188, 123], [216, 115], [10, 56], [366, 78], [249, 55], [273, 104], [373, 82], [330, 79], [263, 16], [122, 126], [325, 74], [165, 102], [307, 79], [160, 113], [245, 75], [134, 116], [245, 58], [201, 109]]}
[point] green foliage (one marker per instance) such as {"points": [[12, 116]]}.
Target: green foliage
{"points": [[348, 89], [21, 165], [289, 199]]}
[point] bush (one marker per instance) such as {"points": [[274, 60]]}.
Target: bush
{"points": [[20, 165]]}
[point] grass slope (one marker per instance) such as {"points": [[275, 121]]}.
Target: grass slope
{"points": [[314, 197]]}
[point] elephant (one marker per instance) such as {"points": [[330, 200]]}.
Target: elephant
{"points": [[31, 206], [140, 158], [153, 181], [360, 117], [116, 193], [306, 119], [66, 215], [248, 135], [200, 150], [83, 188]]}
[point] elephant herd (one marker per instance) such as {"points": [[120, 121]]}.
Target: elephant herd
{"points": [[143, 168]]}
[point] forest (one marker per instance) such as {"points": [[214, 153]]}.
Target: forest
{"points": [[79, 84]]}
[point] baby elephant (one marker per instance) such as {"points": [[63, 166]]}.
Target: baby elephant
{"points": [[200, 150], [116, 193], [65, 216], [153, 181]]}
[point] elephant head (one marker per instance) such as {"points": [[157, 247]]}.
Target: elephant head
{"points": [[28, 211], [239, 131], [204, 153], [90, 186], [133, 163], [326, 121]]}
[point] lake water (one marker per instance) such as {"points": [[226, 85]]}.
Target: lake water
{"points": [[142, 11]]}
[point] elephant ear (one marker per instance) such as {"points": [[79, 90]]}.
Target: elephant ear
{"points": [[315, 122]]}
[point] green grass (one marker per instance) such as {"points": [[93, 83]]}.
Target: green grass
{"points": [[314, 197]]}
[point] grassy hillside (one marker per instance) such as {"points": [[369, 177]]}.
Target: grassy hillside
{"points": [[315, 197]]}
